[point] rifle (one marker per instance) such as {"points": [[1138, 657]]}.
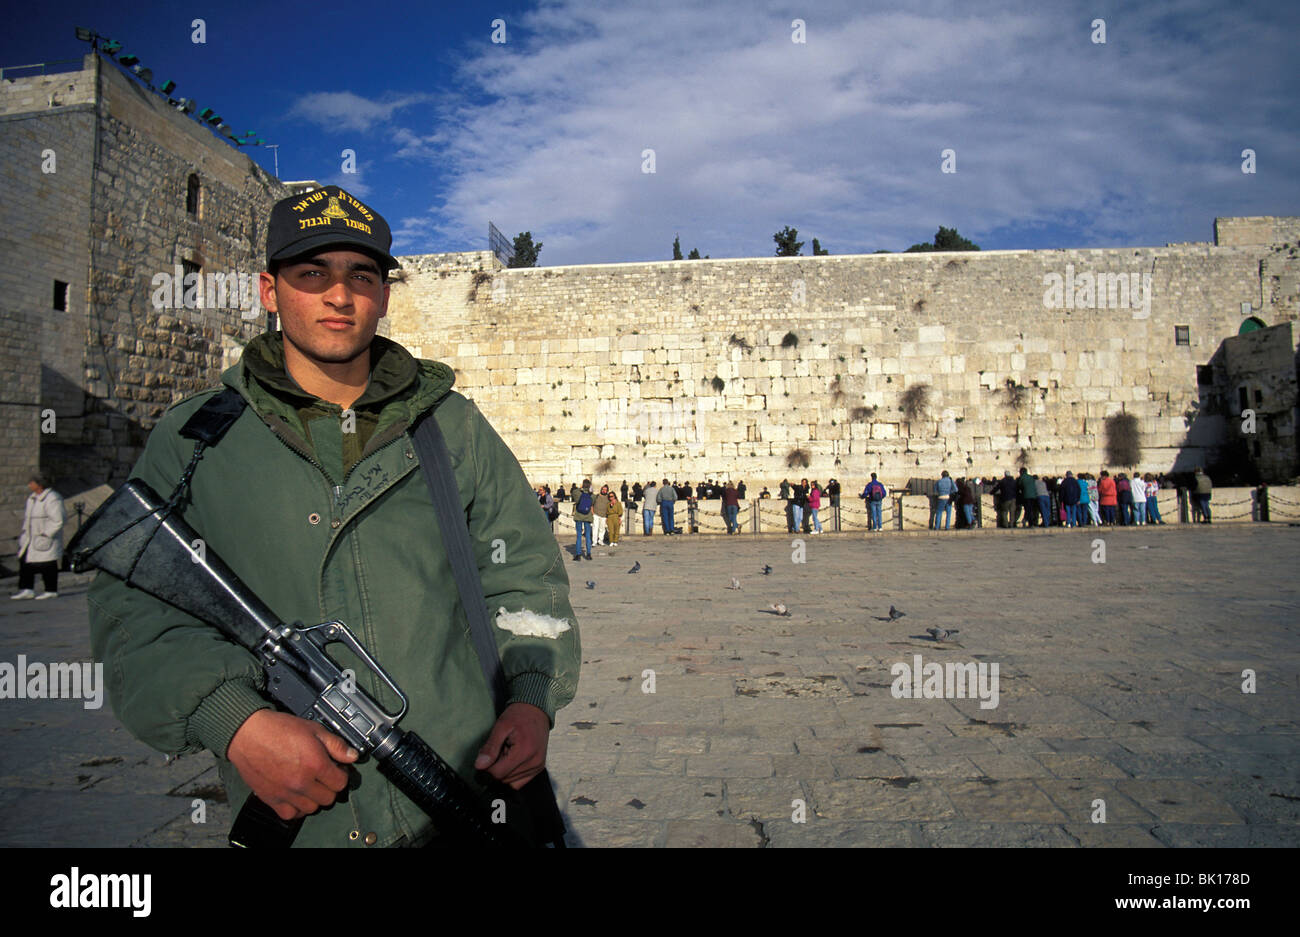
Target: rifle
{"points": [[137, 538]]}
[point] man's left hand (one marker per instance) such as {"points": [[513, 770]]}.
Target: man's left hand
{"points": [[515, 751]]}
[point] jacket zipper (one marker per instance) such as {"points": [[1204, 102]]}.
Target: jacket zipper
{"points": [[337, 490], [368, 639]]}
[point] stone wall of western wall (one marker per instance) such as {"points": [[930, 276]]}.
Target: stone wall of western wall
{"points": [[1256, 230], [679, 368]]}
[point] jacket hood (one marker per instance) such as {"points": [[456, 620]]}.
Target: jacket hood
{"points": [[401, 385]]}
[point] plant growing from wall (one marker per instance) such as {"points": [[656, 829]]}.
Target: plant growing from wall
{"points": [[1022, 460], [718, 384], [480, 277], [737, 342], [1123, 439], [915, 401], [790, 340], [862, 414], [604, 465], [1015, 394], [798, 458]]}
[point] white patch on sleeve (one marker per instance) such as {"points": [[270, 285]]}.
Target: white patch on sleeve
{"points": [[529, 624]]}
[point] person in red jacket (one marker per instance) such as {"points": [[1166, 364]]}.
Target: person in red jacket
{"points": [[731, 507], [1109, 496]]}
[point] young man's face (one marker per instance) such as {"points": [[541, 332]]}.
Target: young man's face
{"points": [[329, 304]]}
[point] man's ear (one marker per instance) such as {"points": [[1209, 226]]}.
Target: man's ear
{"points": [[266, 291], [383, 309]]}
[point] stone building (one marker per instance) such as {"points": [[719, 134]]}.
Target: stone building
{"points": [[902, 364], [125, 226]]}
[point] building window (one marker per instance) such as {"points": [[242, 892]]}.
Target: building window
{"points": [[60, 296], [1182, 335], [1243, 399], [192, 195]]}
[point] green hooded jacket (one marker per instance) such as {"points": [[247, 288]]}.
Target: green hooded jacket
{"points": [[326, 517]]}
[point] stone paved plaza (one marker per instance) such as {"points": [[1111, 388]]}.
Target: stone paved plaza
{"points": [[1118, 682]]}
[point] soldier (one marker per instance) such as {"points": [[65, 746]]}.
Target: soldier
{"points": [[315, 499]]}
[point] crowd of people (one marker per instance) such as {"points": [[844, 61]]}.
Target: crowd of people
{"points": [[1080, 501], [1028, 500], [597, 515]]}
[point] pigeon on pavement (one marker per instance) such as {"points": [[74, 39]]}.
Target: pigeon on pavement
{"points": [[940, 634], [591, 584], [636, 568], [767, 570], [780, 609], [895, 614], [735, 583]]}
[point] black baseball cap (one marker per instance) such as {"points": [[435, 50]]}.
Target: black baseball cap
{"points": [[327, 217]]}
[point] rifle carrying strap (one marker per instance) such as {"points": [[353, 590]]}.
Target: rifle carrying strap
{"points": [[435, 463], [209, 422], [206, 426]]}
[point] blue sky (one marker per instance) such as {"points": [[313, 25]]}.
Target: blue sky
{"points": [[1059, 141]]}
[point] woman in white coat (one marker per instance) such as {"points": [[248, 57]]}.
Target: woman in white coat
{"points": [[40, 545]]}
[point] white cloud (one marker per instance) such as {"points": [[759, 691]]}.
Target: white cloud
{"points": [[841, 137], [345, 111], [351, 182]]}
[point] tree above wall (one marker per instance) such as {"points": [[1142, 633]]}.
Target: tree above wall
{"points": [[945, 239]]}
